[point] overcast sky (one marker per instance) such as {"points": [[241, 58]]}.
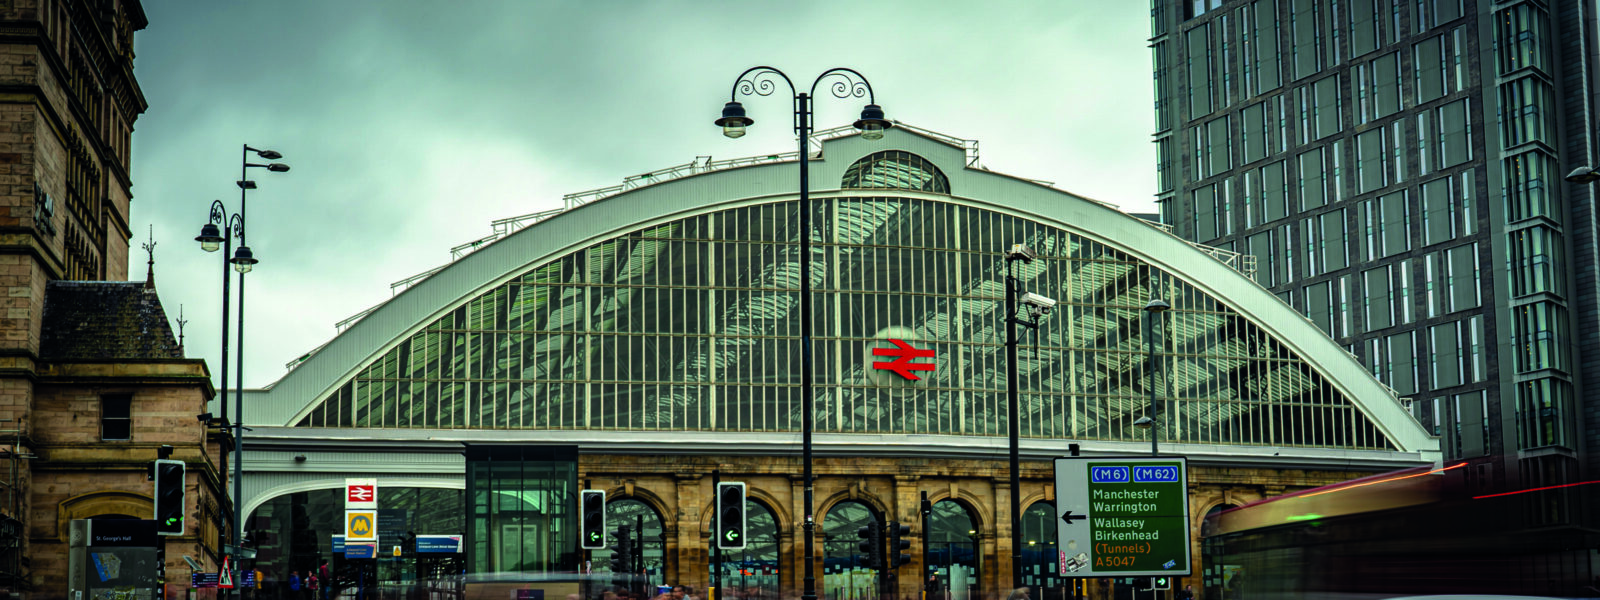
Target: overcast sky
{"points": [[411, 125]]}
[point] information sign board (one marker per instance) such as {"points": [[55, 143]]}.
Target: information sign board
{"points": [[441, 544], [360, 493], [1123, 517], [360, 550]]}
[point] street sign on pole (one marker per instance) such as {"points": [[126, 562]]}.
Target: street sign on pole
{"points": [[1123, 517]]}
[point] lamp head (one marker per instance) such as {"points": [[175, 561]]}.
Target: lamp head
{"points": [[269, 154], [872, 124], [1143, 422], [1584, 174], [243, 259], [210, 237], [1157, 305], [278, 168], [733, 120]]}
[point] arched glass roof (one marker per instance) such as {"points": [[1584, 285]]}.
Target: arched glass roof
{"points": [[690, 325]]}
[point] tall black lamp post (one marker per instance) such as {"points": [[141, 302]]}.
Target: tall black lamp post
{"points": [[218, 232], [1038, 307], [759, 81], [1153, 310]]}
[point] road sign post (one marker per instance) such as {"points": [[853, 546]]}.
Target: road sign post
{"points": [[1123, 517]]}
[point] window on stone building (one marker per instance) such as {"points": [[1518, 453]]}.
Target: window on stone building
{"points": [[116, 417]]}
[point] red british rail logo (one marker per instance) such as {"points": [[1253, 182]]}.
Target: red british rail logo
{"points": [[902, 364]]}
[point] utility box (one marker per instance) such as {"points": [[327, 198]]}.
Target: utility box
{"points": [[113, 559]]}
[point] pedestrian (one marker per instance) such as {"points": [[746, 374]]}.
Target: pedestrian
{"points": [[1187, 593], [312, 583], [327, 583], [294, 585]]}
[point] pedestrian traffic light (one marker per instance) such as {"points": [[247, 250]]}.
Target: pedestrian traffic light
{"points": [[622, 556], [871, 545], [898, 545], [1161, 583], [169, 497], [592, 535], [730, 515]]}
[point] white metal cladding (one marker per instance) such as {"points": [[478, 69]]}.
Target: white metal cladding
{"points": [[492, 265]]}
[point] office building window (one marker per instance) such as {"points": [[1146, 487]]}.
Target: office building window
{"points": [[1438, 66], [1445, 354], [1520, 38], [1539, 337], [1544, 413], [1525, 112], [1195, 8], [1536, 261], [1163, 103], [1213, 147], [1319, 109], [1267, 193], [1342, 308], [1452, 280], [1313, 181], [1364, 18], [1444, 136], [1427, 14], [1164, 163], [1207, 213], [1529, 177], [1198, 68], [1402, 368], [1379, 301], [1326, 248], [1261, 46], [1158, 18], [116, 417], [1386, 225], [1260, 246], [1319, 305], [1378, 88], [1447, 209]]}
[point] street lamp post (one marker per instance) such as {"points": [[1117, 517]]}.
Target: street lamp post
{"points": [[218, 232], [759, 81], [1153, 310], [1038, 308]]}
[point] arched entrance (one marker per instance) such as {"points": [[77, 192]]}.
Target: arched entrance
{"points": [[753, 572], [1040, 554], [644, 526], [845, 575], [953, 558]]}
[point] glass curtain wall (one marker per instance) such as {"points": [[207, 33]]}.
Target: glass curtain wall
{"points": [[521, 509], [845, 575]]}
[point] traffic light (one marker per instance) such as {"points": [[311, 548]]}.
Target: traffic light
{"points": [[169, 497], [592, 536], [730, 515], [898, 545], [871, 545], [1161, 582], [622, 557]]}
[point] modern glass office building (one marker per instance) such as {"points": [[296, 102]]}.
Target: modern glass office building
{"points": [[647, 335], [1396, 168]]}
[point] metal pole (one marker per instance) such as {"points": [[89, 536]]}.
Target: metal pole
{"points": [[1150, 345], [716, 527], [1011, 404], [238, 387], [803, 127]]}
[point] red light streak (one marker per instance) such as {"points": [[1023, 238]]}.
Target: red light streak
{"points": [[1435, 471], [1539, 489]]}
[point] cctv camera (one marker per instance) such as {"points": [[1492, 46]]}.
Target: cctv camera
{"points": [[1039, 305], [1022, 252]]}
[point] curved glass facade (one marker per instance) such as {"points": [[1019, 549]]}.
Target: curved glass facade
{"points": [[690, 325]]}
